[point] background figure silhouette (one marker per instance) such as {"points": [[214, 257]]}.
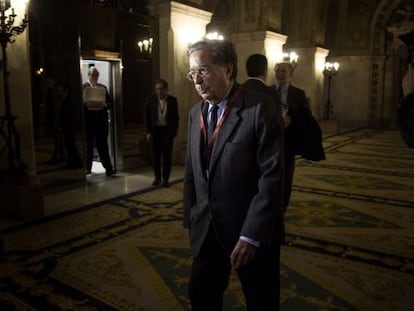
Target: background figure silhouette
{"points": [[406, 109], [161, 125], [96, 123], [68, 127], [53, 130]]}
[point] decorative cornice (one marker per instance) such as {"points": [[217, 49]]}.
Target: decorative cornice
{"points": [[258, 35], [167, 9]]}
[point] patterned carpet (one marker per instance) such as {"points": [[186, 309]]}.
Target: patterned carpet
{"points": [[350, 243]]}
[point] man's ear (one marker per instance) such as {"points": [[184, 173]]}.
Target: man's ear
{"points": [[229, 70]]}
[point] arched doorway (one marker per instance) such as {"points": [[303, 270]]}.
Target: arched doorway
{"points": [[388, 68]]}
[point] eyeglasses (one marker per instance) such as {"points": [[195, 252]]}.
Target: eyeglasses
{"points": [[201, 72]]}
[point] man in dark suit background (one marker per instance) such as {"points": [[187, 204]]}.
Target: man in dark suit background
{"points": [[302, 133], [232, 185], [161, 126], [256, 69]]}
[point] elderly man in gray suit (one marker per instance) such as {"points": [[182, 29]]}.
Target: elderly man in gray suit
{"points": [[233, 185]]}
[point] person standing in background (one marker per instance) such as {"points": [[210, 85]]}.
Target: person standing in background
{"points": [[161, 126], [303, 135], [96, 123], [68, 127], [256, 69], [53, 117]]}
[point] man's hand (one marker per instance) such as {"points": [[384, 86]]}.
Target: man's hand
{"points": [[286, 121], [408, 81], [149, 137], [242, 254]]}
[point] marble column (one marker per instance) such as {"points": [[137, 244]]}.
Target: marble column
{"points": [[262, 42], [309, 76], [20, 191], [179, 25]]}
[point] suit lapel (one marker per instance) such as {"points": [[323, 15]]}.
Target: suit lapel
{"points": [[227, 128], [197, 140], [291, 96], [168, 106], [155, 109]]}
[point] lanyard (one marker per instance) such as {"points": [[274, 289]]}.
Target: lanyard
{"points": [[163, 106], [229, 106]]}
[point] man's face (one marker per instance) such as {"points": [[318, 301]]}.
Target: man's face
{"points": [[93, 77], [210, 81], [161, 90], [283, 73]]}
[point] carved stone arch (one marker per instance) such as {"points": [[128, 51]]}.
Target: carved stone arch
{"points": [[385, 79], [385, 10]]}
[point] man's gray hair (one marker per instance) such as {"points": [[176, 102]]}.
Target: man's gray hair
{"points": [[222, 53]]}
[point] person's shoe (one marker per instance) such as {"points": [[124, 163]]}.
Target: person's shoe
{"points": [[165, 184], [110, 172], [156, 182]]}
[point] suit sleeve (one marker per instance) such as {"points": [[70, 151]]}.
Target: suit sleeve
{"points": [[308, 139], [266, 207], [300, 113]]}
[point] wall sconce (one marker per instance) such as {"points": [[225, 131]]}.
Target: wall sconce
{"points": [[291, 58], [145, 46], [5, 5], [214, 36], [329, 70], [39, 71]]}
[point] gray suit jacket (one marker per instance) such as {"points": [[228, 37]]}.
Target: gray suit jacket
{"points": [[243, 193]]}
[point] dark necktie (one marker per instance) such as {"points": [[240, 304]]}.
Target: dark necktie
{"points": [[213, 121], [279, 91]]}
